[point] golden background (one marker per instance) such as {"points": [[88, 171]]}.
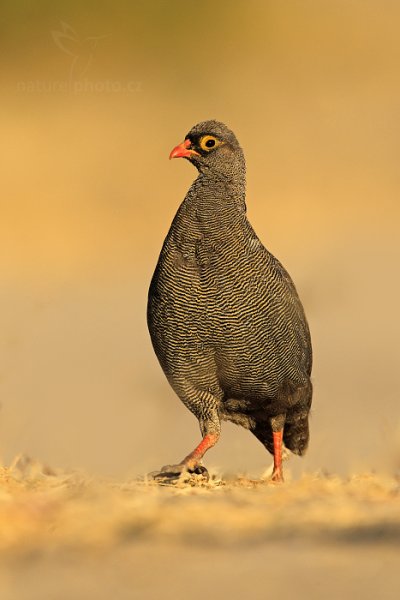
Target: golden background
{"points": [[94, 96]]}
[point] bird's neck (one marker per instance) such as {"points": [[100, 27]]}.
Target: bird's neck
{"points": [[215, 196]]}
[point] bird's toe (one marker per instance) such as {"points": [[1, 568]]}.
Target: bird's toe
{"points": [[180, 472], [173, 469], [276, 477]]}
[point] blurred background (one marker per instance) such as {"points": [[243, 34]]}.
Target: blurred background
{"points": [[94, 96]]}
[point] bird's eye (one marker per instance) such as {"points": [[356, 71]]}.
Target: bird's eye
{"points": [[209, 141]]}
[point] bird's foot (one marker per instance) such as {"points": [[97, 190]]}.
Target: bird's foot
{"points": [[182, 472], [277, 476]]}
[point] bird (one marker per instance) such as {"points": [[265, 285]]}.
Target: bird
{"points": [[223, 314]]}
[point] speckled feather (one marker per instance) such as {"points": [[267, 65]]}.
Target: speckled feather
{"points": [[224, 316]]}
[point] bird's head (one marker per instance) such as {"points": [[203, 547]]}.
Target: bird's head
{"points": [[211, 146]]}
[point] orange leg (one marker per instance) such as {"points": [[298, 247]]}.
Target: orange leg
{"points": [[192, 459], [277, 473]]}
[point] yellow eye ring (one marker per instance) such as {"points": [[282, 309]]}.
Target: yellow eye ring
{"points": [[208, 142]]}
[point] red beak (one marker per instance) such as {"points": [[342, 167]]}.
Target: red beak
{"points": [[183, 150]]}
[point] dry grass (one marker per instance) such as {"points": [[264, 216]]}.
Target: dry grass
{"points": [[65, 535], [41, 509]]}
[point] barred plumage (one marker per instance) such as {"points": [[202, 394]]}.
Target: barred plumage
{"points": [[224, 316]]}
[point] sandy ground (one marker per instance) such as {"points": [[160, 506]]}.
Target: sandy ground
{"points": [[64, 535]]}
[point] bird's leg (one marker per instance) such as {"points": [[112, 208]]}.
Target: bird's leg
{"points": [[210, 429], [192, 460], [277, 424]]}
